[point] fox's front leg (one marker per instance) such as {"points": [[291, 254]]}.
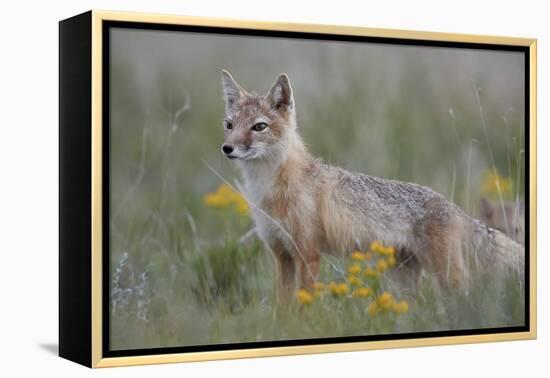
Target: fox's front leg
{"points": [[285, 267], [308, 262]]}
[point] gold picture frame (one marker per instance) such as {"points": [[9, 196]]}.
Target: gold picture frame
{"points": [[81, 322]]}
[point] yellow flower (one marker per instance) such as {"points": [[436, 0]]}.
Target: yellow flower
{"points": [[358, 256], [225, 191], [339, 290], [494, 184], [319, 286], [368, 255], [376, 246], [240, 204], [370, 273], [224, 197], [391, 261], [379, 248], [401, 307], [372, 310], [361, 292], [354, 280], [354, 269], [385, 300], [304, 297], [333, 287], [344, 289], [381, 266], [215, 200]]}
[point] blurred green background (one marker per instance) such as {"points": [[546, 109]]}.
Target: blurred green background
{"points": [[181, 272]]}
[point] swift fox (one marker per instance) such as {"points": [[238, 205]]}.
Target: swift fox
{"points": [[303, 207]]}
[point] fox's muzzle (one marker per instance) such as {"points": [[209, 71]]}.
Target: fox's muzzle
{"points": [[227, 149]]}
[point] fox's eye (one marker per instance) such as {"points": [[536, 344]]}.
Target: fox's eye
{"points": [[228, 125], [259, 126]]}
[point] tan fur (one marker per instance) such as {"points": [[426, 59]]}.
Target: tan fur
{"points": [[283, 204], [337, 223], [444, 252]]}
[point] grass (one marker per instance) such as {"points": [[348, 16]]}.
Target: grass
{"points": [[185, 270], [211, 293]]}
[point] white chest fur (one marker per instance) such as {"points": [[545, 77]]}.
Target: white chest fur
{"points": [[259, 188]]}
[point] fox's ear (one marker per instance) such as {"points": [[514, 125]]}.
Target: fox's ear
{"points": [[486, 208], [231, 90], [280, 94]]}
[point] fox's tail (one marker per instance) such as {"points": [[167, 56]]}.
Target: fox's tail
{"points": [[492, 248]]}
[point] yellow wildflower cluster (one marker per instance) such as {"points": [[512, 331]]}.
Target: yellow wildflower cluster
{"points": [[362, 292], [361, 256], [354, 269], [370, 273], [304, 297], [338, 289], [386, 302], [401, 307], [381, 266], [226, 197], [379, 248], [354, 280], [494, 184], [385, 260], [364, 267]]}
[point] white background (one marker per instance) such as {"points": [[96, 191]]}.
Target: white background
{"points": [[29, 189]]}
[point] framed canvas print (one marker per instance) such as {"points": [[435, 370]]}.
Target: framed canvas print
{"points": [[236, 189]]}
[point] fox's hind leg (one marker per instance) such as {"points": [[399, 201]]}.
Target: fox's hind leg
{"points": [[443, 253], [457, 272]]}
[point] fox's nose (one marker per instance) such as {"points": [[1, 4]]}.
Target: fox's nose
{"points": [[227, 149]]}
